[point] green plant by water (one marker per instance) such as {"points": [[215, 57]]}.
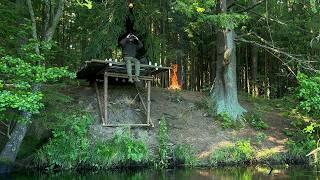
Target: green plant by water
{"points": [[239, 153], [71, 147], [184, 154], [163, 144]]}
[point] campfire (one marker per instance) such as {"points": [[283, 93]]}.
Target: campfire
{"points": [[174, 83]]}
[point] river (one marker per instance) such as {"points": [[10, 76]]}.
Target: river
{"points": [[244, 173]]}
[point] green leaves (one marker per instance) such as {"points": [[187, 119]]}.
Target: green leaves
{"points": [[240, 152], [22, 101], [86, 3], [227, 20], [309, 94], [202, 11], [184, 154], [255, 120], [20, 74], [70, 144], [163, 144], [121, 149]]}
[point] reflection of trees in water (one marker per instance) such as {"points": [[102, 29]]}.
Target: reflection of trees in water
{"points": [[244, 173]]}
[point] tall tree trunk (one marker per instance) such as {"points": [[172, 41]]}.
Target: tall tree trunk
{"points": [[55, 20], [224, 94], [254, 58], [180, 66], [10, 150], [247, 71]]}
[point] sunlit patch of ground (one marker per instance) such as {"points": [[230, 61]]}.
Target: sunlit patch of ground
{"points": [[269, 152], [207, 153]]}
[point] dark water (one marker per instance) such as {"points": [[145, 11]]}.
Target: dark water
{"points": [[257, 172]]}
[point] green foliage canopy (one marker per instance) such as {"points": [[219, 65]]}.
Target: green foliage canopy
{"points": [[20, 76]]}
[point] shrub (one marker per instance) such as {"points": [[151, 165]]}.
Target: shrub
{"points": [[163, 144], [207, 105], [297, 150], [226, 120], [308, 94], [184, 154], [241, 152], [255, 120], [260, 137], [69, 146], [122, 149]]}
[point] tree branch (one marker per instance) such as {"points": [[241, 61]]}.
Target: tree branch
{"points": [[230, 3], [273, 19], [4, 124], [8, 130], [34, 25], [273, 51], [50, 31], [250, 7], [3, 134], [47, 19]]}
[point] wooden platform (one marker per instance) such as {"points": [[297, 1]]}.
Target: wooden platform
{"points": [[95, 70]]}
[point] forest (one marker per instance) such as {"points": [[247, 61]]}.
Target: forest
{"points": [[246, 78]]}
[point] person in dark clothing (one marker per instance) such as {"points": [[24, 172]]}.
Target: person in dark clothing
{"points": [[130, 46]]}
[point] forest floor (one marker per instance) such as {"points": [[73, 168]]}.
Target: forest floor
{"points": [[188, 123]]}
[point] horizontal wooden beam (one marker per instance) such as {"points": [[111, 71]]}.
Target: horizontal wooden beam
{"points": [[123, 63], [147, 78], [132, 125]]}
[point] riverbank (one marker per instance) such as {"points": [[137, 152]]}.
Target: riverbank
{"points": [[193, 134]]}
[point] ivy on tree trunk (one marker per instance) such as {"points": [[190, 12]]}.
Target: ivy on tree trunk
{"points": [[224, 94]]}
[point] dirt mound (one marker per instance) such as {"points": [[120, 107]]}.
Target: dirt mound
{"points": [[187, 124]]}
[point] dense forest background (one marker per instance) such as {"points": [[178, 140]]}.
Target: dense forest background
{"points": [[274, 39], [273, 44]]}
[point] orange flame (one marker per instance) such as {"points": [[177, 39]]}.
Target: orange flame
{"points": [[174, 78]]}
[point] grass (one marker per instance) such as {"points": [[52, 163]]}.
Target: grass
{"points": [[184, 155], [272, 155], [239, 153], [255, 120], [121, 150]]}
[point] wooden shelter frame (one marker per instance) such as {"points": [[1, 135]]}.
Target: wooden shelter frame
{"points": [[117, 72]]}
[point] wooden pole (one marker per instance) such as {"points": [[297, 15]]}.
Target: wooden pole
{"points": [[99, 101], [149, 104], [105, 98]]}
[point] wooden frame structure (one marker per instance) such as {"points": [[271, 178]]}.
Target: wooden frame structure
{"points": [[102, 70]]}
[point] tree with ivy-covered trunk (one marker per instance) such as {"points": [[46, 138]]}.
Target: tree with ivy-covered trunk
{"points": [[224, 93], [22, 75]]}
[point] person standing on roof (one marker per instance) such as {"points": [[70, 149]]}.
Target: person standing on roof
{"points": [[130, 46]]}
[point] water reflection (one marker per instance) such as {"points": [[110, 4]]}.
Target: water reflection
{"points": [[257, 172]]}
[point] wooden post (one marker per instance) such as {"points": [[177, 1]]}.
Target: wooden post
{"points": [[105, 98], [149, 103], [99, 101], [169, 78]]}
